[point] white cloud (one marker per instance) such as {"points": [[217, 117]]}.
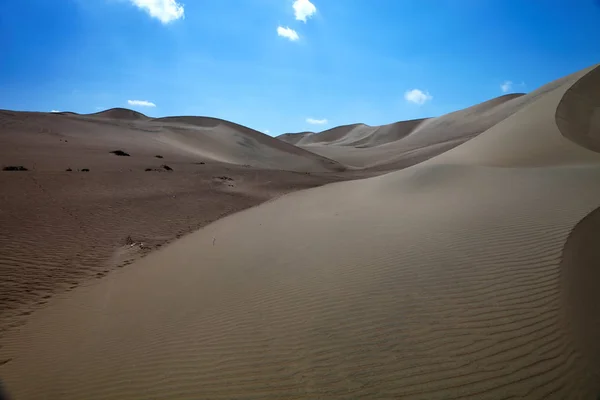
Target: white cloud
{"points": [[141, 103], [506, 86], [417, 96], [304, 9], [287, 33], [164, 10], [314, 121], [55, 111], [510, 86], [267, 131]]}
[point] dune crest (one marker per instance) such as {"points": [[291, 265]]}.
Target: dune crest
{"points": [[464, 276], [578, 113], [49, 140], [580, 275], [402, 144], [121, 113], [532, 136]]}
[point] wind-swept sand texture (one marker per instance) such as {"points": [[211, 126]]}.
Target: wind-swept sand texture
{"points": [[355, 135], [455, 278], [545, 132], [403, 144], [59, 228], [56, 141]]}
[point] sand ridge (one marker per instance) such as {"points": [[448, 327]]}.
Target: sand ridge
{"points": [[399, 145], [467, 305], [57, 141], [464, 276], [432, 137], [80, 211], [60, 229], [532, 136], [449, 279]]}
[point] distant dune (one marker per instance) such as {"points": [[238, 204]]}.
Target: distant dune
{"points": [[56, 141], [121, 113], [355, 135], [468, 272], [74, 210], [406, 143]]}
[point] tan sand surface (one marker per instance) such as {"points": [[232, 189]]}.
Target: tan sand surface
{"points": [[543, 133], [407, 143], [59, 228], [471, 275], [57, 141]]}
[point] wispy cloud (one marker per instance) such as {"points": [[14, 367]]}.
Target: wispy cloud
{"points": [[304, 9], [55, 111], [417, 96], [506, 86], [314, 121], [141, 103], [287, 33], [164, 10], [267, 131], [510, 86]]}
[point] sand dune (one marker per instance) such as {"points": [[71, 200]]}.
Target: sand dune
{"points": [[61, 227], [120, 114], [56, 141], [544, 132], [402, 144], [466, 276], [577, 114], [356, 135]]}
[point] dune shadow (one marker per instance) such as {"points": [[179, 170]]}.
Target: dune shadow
{"points": [[580, 273], [578, 113]]}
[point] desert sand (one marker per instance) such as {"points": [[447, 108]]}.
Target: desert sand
{"points": [[468, 271], [60, 228]]}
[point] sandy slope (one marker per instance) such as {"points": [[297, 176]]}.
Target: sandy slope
{"points": [[462, 277], [544, 132], [59, 228], [399, 145], [55, 142], [356, 135]]}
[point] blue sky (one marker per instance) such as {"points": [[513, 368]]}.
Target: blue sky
{"points": [[287, 65]]}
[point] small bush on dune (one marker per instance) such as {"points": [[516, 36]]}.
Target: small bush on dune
{"points": [[15, 168], [120, 153], [158, 156], [165, 166]]}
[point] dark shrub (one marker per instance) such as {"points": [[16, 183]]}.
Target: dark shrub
{"points": [[120, 153], [158, 156], [15, 168], [165, 166]]}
